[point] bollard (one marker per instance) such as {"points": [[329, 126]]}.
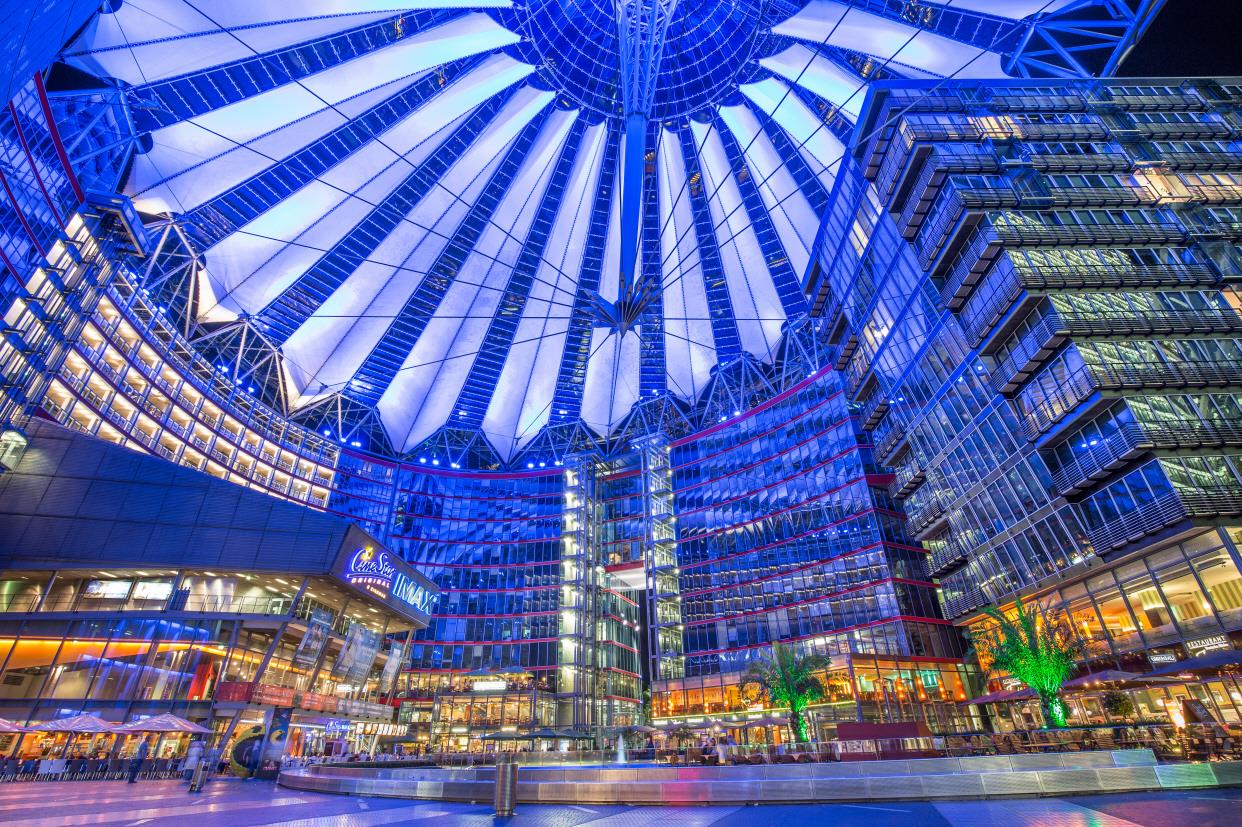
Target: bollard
{"points": [[505, 797]]}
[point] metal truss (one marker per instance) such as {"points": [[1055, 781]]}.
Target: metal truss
{"points": [[1084, 39]]}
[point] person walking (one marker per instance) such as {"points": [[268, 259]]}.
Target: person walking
{"points": [[135, 763], [193, 755]]}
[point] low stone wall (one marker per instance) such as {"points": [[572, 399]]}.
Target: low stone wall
{"points": [[917, 779]]}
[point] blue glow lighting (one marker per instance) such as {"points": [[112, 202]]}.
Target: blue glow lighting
{"points": [[511, 218]]}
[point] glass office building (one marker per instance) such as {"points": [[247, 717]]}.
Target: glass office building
{"points": [[533, 316], [1032, 287]]}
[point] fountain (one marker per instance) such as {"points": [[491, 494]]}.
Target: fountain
{"points": [[621, 757]]}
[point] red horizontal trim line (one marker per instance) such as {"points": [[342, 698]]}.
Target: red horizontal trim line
{"points": [[498, 591], [620, 596], [769, 486], [489, 642], [441, 518], [620, 475], [632, 564], [449, 541], [21, 216], [466, 497], [489, 615], [780, 397], [426, 564], [623, 672], [354, 496], [809, 601], [419, 468], [785, 540], [770, 514], [894, 619], [620, 645], [54, 131], [422, 671], [800, 415], [770, 457], [621, 698], [787, 572], [34, 168]]}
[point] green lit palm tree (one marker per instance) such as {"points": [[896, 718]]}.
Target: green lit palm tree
{"points": [[787, 679], [1036, 651]]}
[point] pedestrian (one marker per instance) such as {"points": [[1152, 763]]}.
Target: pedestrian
{"points": [[135, 763], [193, 755]]}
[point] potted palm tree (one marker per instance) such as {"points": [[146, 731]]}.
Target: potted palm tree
{"points": [[1036, 651], [787, 679]]}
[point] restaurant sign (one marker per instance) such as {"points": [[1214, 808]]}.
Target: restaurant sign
{"points": [[1203, 645]]}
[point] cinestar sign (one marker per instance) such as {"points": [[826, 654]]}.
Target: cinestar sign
{"points": [[412, 593], [370, 570]]}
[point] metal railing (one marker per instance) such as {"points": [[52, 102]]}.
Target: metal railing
{"points": [[1163, 512], [1099, 458]]}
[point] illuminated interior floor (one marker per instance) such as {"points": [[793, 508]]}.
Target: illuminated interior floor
{"points": [[235, 804]]}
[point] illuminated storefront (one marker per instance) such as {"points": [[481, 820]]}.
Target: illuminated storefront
{"points": [[115, 600]]}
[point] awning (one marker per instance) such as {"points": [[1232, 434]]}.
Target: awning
{"points": [[1212, 660], [1107, 676], [78, 723], [1001, 697], [166, 722], [7, 726]]}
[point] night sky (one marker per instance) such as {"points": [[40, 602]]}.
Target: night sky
{"points": [[1190, 38]]}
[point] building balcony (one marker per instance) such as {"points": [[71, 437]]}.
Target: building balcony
{"points": [[1165, 512], [1086, 235], [947, 554], [952, 213], [1082, 383], [1101, 277], [887, 438], [1097, 197], [1097, 460], [1098, 162], [1216, 193], [1205, 130], [1202, 161], [906, 478], [873, 410], [912, 194], [1161, 102], [1026, 355], [928, 515], [1053, 328]]}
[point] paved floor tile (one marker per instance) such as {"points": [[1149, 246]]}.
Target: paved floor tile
{"points": [[236, 804]]}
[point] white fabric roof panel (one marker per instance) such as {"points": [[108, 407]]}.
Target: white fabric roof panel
{"points": [[476, 73]]}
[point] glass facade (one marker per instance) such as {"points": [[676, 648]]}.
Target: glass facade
{"points": [[1031, 288], [786, 532]]}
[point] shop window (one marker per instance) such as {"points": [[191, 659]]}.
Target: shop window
{"points": [[1220, 577], [1186, 600]]}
